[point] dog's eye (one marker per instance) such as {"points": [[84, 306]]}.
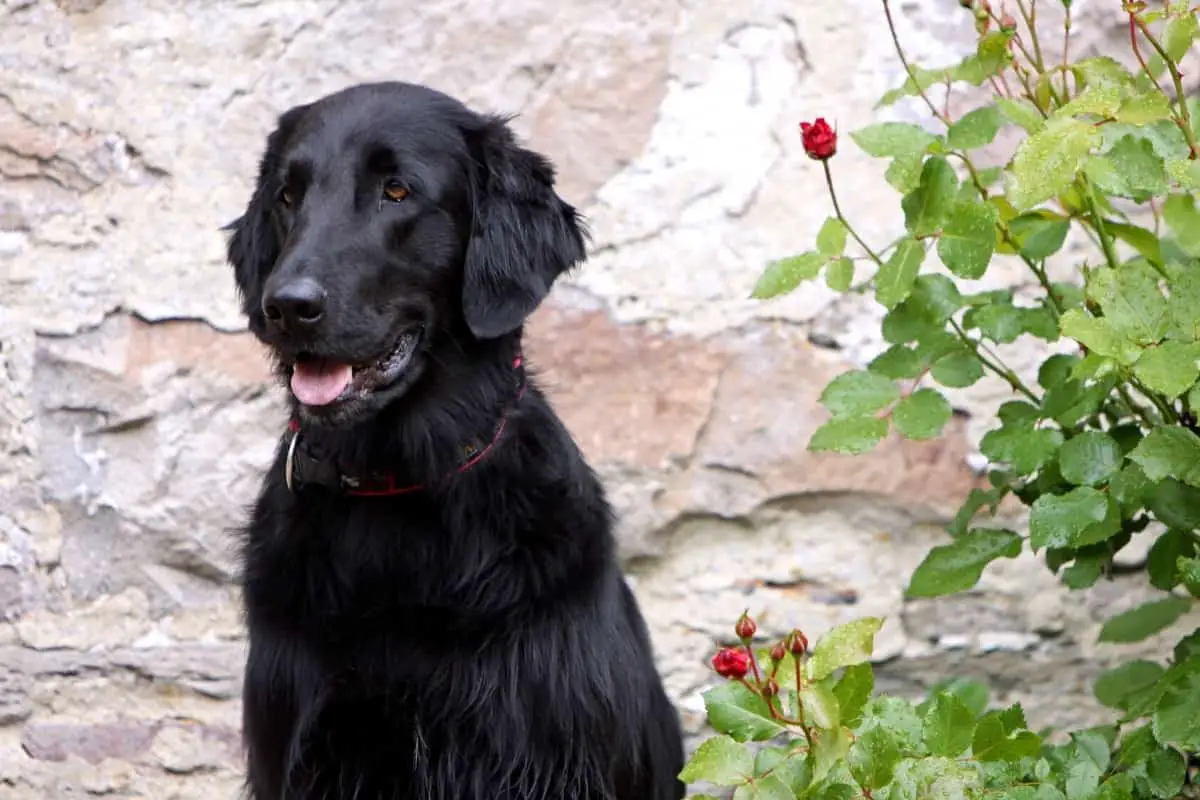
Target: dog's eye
{"points": [[287, 197], [393, 192]]}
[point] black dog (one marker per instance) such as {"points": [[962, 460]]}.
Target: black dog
{"points": [[434, 607]]}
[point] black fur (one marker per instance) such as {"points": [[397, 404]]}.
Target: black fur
{"points": [[474, 640]]}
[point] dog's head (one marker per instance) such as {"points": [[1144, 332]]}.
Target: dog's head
{"points": [[389, 221]]}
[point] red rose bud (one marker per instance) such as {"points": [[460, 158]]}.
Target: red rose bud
{"points": [[745, 627], [798, 644], [820, 140], [731, 662], [770, 688], [778, 652], [1007, 22]]}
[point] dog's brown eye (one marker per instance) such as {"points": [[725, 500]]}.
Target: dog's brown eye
{"points": [[287, 197], [394, 192]]}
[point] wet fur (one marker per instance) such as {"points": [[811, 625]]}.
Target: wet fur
{"points": [[476, 640]]}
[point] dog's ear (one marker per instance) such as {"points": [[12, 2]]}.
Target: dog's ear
{"points": [[523, 236], [254, 244]]}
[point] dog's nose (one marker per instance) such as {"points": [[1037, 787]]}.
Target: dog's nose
{"points": [[296, 305]]}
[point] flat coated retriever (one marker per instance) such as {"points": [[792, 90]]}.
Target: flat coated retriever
{"points": [[434, 607]]}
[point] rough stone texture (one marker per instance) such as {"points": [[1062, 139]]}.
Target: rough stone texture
{"points": [[135, 415]]}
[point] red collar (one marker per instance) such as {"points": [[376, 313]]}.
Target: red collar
{"points": [[303, 467]]}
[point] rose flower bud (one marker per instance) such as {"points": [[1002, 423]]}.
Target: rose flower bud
{"points": [[745, 627], [820, 140], [798, 643], [731, 662]]}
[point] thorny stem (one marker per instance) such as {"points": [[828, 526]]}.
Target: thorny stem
{"points": [[1184, 120]]}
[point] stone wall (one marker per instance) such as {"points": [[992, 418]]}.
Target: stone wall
{"points": [[136, 415]]}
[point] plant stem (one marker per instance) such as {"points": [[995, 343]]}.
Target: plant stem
{"points": [[912, 76], [1106, 244], [1066, 59], [1184, 120], [837, 210], [1004, 372]]}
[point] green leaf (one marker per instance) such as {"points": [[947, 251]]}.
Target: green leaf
{"points": [[1189, 573], [831, 239], [1175, 504], [922, 414], [1142, 109], [1102, 101], [820, 705], [904, 173], [1026, 449], [1137, 171], [1090, 458], [1169, 452], [949, 726], [956, 567], [897, 716], [719, 760], [968, 239], [1145, 620], [873, 757], [957, 370], [1177, 718], [858, 392], [1116, 686], [828, 750], [1022, 113], [853, 690], [935, 297], [1184, 305], [1178, 36], [1162, 562], [784, 275], [893, 139], [1166, 771], [1169, 368], [1047, 161], [1102, 71], [993, 741], [895, 278], [1078, 518], [1040, 234], [850, 643], [767, 787], [735, 710], [1128, 487], [975, 129], [897, 362], [1184, 171], [839, 274], [848, 435], [1182, 217], [1098, 335], [928, 205], [1132, 302], [1145, 242]]}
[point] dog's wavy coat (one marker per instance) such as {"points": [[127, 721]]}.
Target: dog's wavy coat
{"points": [[433, 602]]}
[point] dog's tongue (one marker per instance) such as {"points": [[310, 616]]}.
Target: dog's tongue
{"points": [[319, 382]]}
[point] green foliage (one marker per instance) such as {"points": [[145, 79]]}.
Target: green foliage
{"points": [[1101, 444]]}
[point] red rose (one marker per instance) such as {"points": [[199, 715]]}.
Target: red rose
{"points": [[732, 662], [820, 140]]}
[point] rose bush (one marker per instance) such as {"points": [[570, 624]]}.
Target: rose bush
{"points": [[1102, 447]]}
